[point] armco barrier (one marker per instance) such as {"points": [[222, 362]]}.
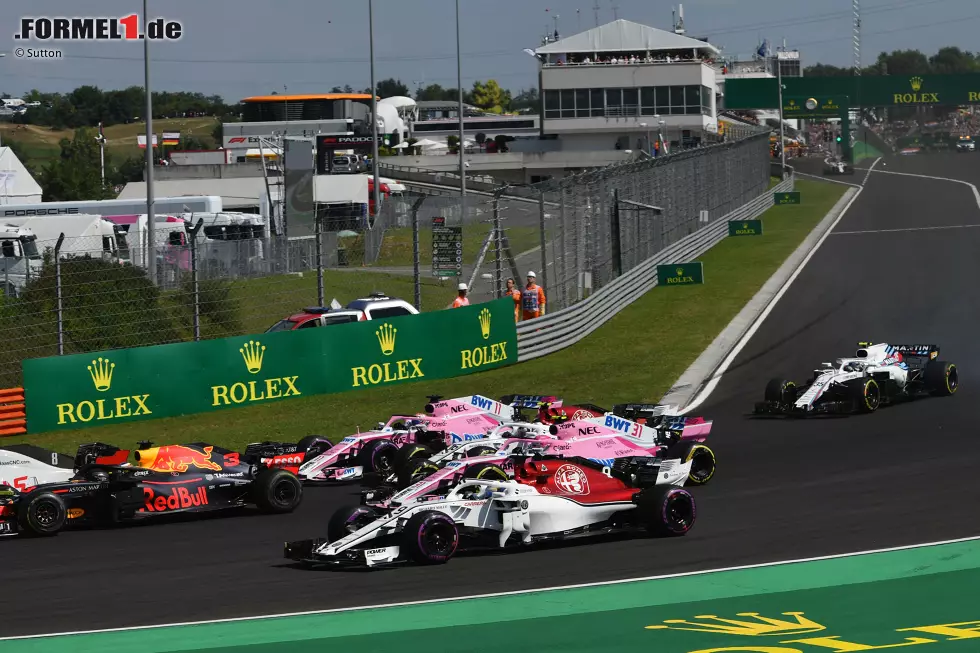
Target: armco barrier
{"points": [[556, 331], [127, 385], [13, 415]]}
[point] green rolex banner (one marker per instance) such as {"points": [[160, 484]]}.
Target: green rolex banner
{"points": [[129, 385], [680, 274], [791, 197], [745, 227]]}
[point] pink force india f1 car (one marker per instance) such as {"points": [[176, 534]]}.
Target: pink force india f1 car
{"points": [[442, 424], [609, 440], [549, 498]]}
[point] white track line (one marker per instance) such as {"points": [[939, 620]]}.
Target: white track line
{"points": [[716, 377], [976, 193], [760, 565], [891, 231]]}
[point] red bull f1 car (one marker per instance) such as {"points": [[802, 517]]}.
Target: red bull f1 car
{"points": [[550, 498], [877, 375], [103, 489]]}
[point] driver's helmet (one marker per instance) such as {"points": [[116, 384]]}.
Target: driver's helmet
{"points": [[854, 367]]}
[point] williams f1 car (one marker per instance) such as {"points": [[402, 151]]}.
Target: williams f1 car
{"points": [[105, 490], [550, 498], [879, 374]]}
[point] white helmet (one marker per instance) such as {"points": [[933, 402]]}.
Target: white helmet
{"points": [[461, 286], [532, 275]]}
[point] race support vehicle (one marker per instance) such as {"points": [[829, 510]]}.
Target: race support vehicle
{"points": [[879, 374], [443, 423], [550, 498], [169, 479]]}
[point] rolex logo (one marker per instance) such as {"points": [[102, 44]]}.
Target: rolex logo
{"points": [[745, 225], [755, 626], [916, 83], [386, 338], [680, 271], [485, 323], [101, 373], [253, 352]]}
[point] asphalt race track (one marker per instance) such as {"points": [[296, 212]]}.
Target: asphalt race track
{"points": [[784, 490]]}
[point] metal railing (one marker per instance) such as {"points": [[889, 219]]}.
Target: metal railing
{"points": [[563, 328]]}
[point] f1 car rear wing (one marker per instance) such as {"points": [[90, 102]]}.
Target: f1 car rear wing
{"points": [[530, 401]]}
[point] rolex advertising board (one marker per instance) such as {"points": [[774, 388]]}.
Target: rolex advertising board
{"points": [[129, 385]]}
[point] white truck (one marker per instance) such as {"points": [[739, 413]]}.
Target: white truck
{"points": [[20, 258]]}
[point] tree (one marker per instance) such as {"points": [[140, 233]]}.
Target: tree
{"points": [[75, 175], [489, 96], [526, 100], [435, 93], [100, 298], [392, 88], [825, 70]]}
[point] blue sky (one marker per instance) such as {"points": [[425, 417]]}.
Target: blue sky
{"points": [[236, 48]]}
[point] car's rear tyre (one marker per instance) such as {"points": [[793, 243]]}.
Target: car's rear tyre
{"points": [[313, 445], [867, 395], [941, 378], [412, 464], [780, 391], [349, 519], [277, 491], [379, 456], [430, 537], [702, 460], [486, 472], [666, 510], [480, 451], [43, 514]]}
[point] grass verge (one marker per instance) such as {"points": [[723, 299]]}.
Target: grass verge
{"points": [[42, 143], [397, 248], [864, 151], [632, 368]]}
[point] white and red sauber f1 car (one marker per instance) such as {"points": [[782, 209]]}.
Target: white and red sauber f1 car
{"points": [[550, 498], [879, 374]]}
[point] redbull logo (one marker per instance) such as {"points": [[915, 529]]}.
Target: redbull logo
{"points": [[179, 498], [176, 458]]}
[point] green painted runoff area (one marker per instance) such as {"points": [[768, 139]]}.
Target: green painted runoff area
{"points": [[923, 596]]}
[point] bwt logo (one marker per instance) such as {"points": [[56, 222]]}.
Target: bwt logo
{"points": [[618, 424], [127, 28], [482, 403]]}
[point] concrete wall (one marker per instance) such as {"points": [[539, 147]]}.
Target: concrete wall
{"points": [[209, 171], [510, 160]]}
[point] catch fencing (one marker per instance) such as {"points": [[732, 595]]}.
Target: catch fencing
{"points": [[92, 300], [561, 329]]}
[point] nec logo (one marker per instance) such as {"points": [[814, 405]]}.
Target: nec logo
{"points": [[618, 424], [589, 430], [459, 409]]}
